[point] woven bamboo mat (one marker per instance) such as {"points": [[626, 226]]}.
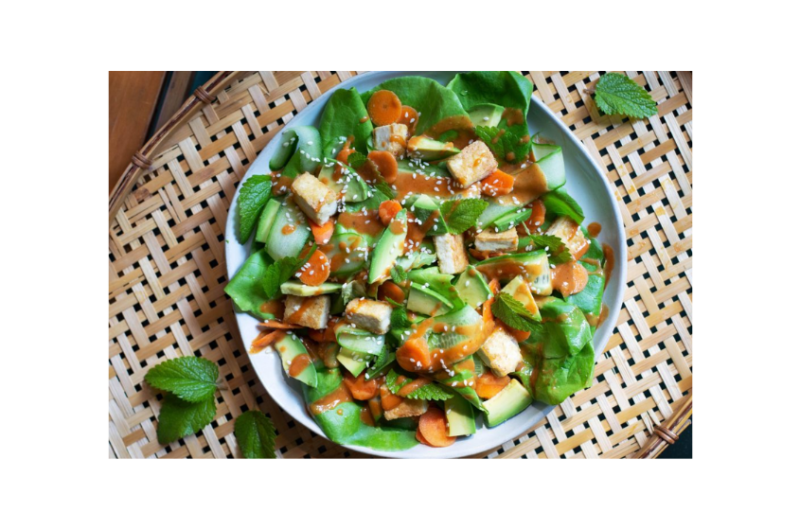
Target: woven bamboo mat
{"points": [[167, 268]]}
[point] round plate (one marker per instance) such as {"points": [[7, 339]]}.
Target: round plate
{"points": [[586, 182]]}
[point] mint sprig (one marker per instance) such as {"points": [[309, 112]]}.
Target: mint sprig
{"points": [[399, 274], [255, 434], [356, 160], [502, 141], [619, 94], [461, 215], [252, 198], [190, 378], [278, 273], [513, 313], [180, 418], [556, 248]]}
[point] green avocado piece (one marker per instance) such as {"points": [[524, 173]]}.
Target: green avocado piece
{"points": [[472, 288], [353, 361], [424, 148], [289, 347], [509, 402], [436, 280], [300, 289], [267, 219], [424, 207], [389, 247], [460, 417], [351, 187], [486, 114], [519, 291], [427, 301]]}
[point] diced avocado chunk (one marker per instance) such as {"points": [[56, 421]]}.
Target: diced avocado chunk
{"points": [[460, 417], [288, 234], [354, 362], [267, 219], [519, 290], [509, 402], [389, 247], [300, 289], [425, 300], [472, 288], [424, 148], [486, 115], [289, 347]]}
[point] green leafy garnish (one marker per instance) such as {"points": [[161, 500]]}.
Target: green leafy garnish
{"points": [[619, 94], [556, 248], [384, 359], [429, 391], [398, 274], [189, 378], [252, 198], [180, 418], [255, 434], [278, 273], [513, 313], [356, 160], [461, 215], [504, 141], [559, 202], [399, 318]]}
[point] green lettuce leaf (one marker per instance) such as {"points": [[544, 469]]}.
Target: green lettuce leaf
{"points": [[507, 89], [343, 118], [245, 288]]}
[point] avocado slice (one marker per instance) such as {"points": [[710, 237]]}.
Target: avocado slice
{"points": [[425, 300], [426, 206], [519, 290], [427, 149], [436, 280], [472, 288], [300, 289], [460, 417], [290, 347], [354, 362], [350, 187], [267, 219], [509, 402], [533, 266], [486, 115], [389, 247]]}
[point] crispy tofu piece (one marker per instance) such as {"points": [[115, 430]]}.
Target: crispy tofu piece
{"points": [[571, 234], [501, 352], [473, 163], [308, 311], [450, 253], [316, 199], [391, 138], [370, 315], [407, 409], [492, 241]]}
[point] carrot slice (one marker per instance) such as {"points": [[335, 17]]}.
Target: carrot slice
{"points": [[518, 334], [360, 387], [489, 385], [408, 117], [316, 270], [322, 233], [535, 221], [387, 164], [421, 439], [498, 183], [433, 427], [387, 211], [389, 400], [276, 324], [391, 291], [384, 107], [266, 339], [414, 355]]}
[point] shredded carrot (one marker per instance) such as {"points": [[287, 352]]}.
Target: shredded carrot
{"points": [[266, 339], [322, 233], [384, 107], [316, 270], [388, 210], [498, 183], [276, 324], [387, 164]]}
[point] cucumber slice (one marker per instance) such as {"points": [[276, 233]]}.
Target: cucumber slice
{"points": [[284, 151], [288, 234], [267, 219], [553, 168], [542, 147], [308, 154], [360, 341], [511, 219]]}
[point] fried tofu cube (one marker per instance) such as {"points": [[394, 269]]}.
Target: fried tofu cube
{"points": [[391, 138], [316, 199], [475, 162], [492, 241], [571, 234], [501, 352], [370, 315], [450, 253], [407, 409], [308, 311]]}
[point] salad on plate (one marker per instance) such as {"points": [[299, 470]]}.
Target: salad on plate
{"points": [[417, 264]]}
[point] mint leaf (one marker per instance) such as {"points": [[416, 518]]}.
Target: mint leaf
{"points": [[399, 319], [461, 215], [278, 273], [255, 434], [398, 274], [356, 160], [252, 198], [180, 418], [513, 313], [556, 248], [190, 378], [502, 141], [431, 392], [385, 358], [619, 94], [391, 382], [559, 202]]}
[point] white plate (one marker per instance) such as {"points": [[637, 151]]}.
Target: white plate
{"points": [[586, 182]]}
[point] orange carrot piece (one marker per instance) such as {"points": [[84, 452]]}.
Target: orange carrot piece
{"points": [[414, 355], [408, 117], [421, 439], [316, 270], [387, 211], [322, 233], [389, 400], [387, 164], [360, 387], [266, 339], [277, 324], [433, 427], [498, 183], [391, 291], [384, 107], [325, 335], [489, 385]]}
